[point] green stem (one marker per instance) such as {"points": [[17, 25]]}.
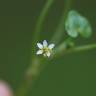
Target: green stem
{"points": [[41, 19], [30, 76], [64, 51], [60, 29], [82, 48], [33, 69]]}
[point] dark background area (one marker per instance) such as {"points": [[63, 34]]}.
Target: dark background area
{"points": [[69, 75]]}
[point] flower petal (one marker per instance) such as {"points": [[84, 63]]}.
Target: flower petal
{"points": [[48, 54], [45, 44], [44, 55], [51, 46], [39, 52], [40, 45]]}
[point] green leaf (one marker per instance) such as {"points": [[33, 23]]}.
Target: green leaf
{"points": [[85, 28], [76, 25]]}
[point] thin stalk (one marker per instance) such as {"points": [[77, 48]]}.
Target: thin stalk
{"points": [[64, 51], [82, 48], [60, 29], [25, 86], [41, 19]]}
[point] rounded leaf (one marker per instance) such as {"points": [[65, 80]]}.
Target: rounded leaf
{"points": [[76, 24], [85, 28]]}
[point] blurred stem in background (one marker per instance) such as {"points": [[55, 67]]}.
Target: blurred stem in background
{"points": [[40, 21], [60, 29], [30, 75], [33, 70]]}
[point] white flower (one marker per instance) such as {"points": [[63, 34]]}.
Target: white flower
{"points": [[45, 49]]}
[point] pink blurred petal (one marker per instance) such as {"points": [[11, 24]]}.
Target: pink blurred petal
{"points": [[5, 89]]}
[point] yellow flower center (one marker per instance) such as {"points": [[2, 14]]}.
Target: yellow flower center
{"points": [[46, 49]]}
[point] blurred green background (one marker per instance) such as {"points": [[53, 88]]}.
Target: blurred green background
{"points": [[70, 75]]}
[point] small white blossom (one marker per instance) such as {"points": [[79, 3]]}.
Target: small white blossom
{"points": [[45, 49]]}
